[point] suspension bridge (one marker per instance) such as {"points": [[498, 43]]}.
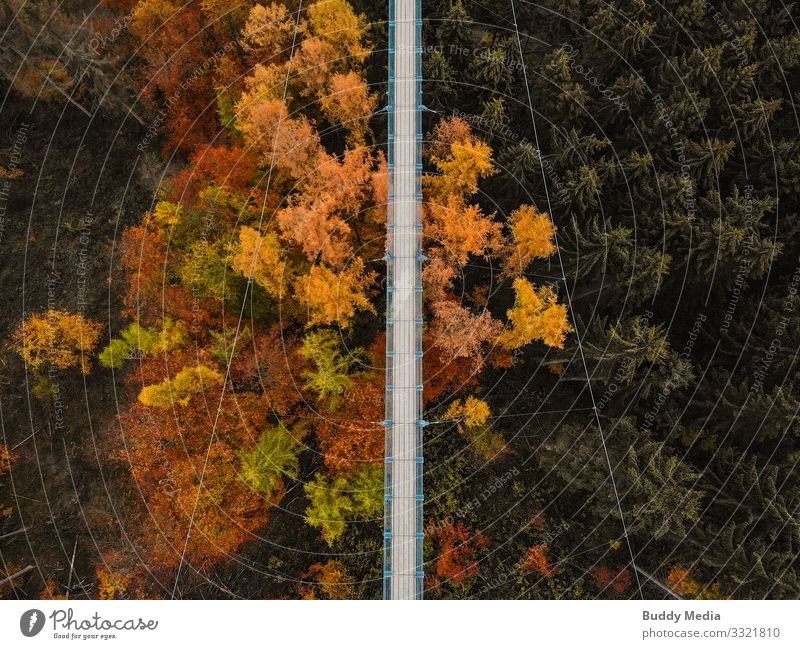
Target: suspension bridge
{"points": [[403, 535]]}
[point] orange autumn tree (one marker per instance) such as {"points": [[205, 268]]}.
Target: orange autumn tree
{"points": [[351, 433], [171, 40], [327, 580], [7, 459], [452, 321], [461, 229], [199, 504], [225, 165], [459, 232], [617, 580], [463, 332], [538, 561], [456, 549], [350, 103], [684, 585], [262, 242]]}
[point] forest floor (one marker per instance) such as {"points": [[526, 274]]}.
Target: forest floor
{"points": [[80, 185]]}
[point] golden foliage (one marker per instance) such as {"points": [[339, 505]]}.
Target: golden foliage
{"points": [[532, 238], [261, 257], [474, 412], [536, 315], [473, 415], [58, 337], [268, 31], [112, 584], [465, 164], [180, 390], [349, 102], [6, 459], [462, 229], [166, 214], [335, 22], [334, 297], [314, 65], [446, 133]]}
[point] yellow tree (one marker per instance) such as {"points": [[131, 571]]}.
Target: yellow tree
{"points": [[465, 163], [472, 416], [349, 103], [58, 337], [472, 412], [314, 64], [268, 31], [335, 22], [531, 238], [334, 297], [181, 388], [262, 258], [536, 315]]}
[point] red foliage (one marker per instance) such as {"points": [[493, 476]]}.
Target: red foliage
{"points": [[272, 365], [537, 561], [148, 295], [192, 120], [350, 433], [455, 561], [222, 166], [167, 454], [143, 256], [179, 47], [444, 378], [618, 580]]}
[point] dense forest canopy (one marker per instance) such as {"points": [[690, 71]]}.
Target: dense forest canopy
{"points": [[610, 297]]}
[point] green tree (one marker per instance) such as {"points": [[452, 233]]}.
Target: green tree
{"points": [[333, 370], [273, 457], [180, 389], [342, 499], [137, 341]]}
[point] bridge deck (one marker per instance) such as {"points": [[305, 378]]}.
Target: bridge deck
{"points": [[404, 470]]}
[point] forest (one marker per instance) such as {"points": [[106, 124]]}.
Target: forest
{"points": [[193, 215]]}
